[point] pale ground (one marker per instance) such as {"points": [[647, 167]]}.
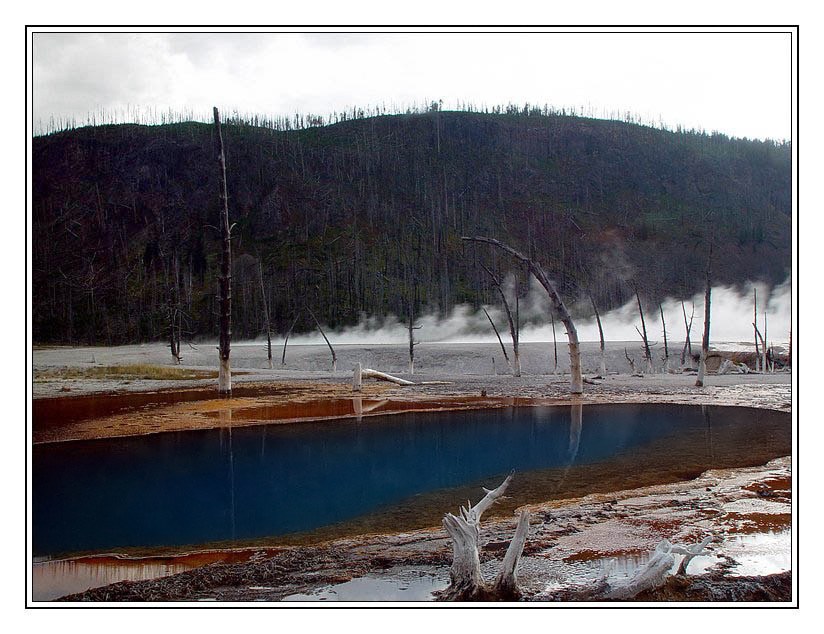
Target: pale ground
{"points": [[468, 368]]}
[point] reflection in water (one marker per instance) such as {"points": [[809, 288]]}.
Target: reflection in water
{"points": [[52, 579], [394, 473]]}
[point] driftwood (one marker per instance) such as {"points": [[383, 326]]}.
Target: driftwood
{"points": [[224, 381], [361, 373], [577, 384], [657, 569], [466, 582]]}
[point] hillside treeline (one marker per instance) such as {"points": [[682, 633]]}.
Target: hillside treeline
{"points": [[364, 217]]}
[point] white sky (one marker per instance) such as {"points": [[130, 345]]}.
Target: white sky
{"points": [[735, 83]]}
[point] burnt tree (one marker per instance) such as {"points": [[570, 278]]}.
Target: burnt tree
{"points": [[224, 381]]}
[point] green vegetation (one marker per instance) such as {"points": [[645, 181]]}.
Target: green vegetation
{"points": [[360, 217]]}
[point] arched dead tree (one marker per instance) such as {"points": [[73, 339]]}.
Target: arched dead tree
{"points": [[554, 343], [603, 372], [577, 383], [514, 326], [466, 582], [331, 349], [705, 341], [224, 380]]}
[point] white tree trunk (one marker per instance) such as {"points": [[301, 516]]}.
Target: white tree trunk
{"points": [[366, 373], [224, 377], [357, 378]]}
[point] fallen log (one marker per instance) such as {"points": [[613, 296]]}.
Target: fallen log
{"points": [[361, 373]]}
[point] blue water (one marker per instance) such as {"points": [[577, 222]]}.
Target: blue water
{"points": [[202, 486]]}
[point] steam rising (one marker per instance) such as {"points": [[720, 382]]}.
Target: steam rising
{"points": [[731, 320]]}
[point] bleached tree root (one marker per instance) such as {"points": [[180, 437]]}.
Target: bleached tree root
{"points": [[466, 582], [657, 569]]}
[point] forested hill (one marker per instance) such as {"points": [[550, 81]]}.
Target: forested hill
{"points": [[360, 217]]}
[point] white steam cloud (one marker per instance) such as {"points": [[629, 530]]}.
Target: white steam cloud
{"points": [[731, 320]]}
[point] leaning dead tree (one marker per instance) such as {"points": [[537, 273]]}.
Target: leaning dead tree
{"points": [[603, 372], [554, 343], [466, 582], [331, 349], [514, 325], [286, 340], [500, 341], [266, 315], [643, 331], [705, 341], [688, 327], [577, 383], [224, 380]]}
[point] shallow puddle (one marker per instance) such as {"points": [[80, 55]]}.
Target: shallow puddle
{"points": [[404, 586]]}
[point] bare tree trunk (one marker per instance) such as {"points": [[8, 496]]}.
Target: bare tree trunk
{"points": [[643, 332], [412, 342], [515, 366], [503, 349], [755, 327], [688, 327], [705, 341], [286, 340], [666, 348], [266, 314], [764, 360], [554, 343], [577, 382], [331, 349], [367, 373], [357, 378], [224, 373], [601, 335]]}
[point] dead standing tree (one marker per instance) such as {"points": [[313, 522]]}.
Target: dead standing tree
{"points": [[224, 381], [601, 335], [577, 382], [643, 331], [705, 341], [500, 341], [514, 326], [666, 347], [688, 328], [331, 349], [286, 340], [411, 327], [266, 315]]}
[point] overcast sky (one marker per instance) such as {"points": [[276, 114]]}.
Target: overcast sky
{"points": [[738, 84]]}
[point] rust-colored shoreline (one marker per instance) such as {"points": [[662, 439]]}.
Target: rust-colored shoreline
{"points": [[255, 404]]}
